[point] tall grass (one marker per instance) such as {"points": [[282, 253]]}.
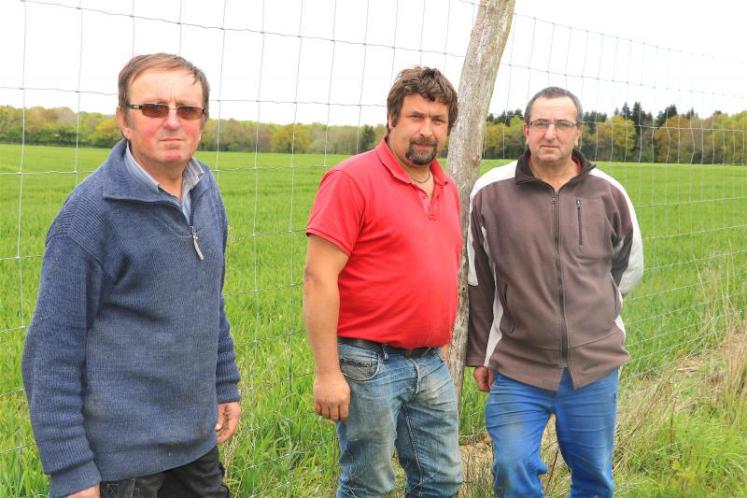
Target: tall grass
{"points": [[693, 222]]}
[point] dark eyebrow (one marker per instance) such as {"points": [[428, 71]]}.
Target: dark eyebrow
{"points": [[417, 113]]}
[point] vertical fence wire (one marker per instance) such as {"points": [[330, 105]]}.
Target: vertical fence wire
{"points": [[682, 174]]}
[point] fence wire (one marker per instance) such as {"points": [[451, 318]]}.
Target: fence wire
{"points": [[318, 67]]}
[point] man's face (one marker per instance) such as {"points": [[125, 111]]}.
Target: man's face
{"points": [[552, 145], [170, 141], [421, 131]]}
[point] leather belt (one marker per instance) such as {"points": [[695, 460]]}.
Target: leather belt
{"points": [[381, 347]]}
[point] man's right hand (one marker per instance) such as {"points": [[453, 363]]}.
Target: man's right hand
{"points": [[92, 492], [332, 396], [484, 377]]}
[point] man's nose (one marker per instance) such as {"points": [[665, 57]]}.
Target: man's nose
{"points": [[426, 129], [172, 119]]}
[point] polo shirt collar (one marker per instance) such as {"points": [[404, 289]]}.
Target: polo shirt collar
{"points": [[391, 163]]}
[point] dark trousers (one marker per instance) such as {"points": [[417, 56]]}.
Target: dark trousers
{"points": [[202, 478]]}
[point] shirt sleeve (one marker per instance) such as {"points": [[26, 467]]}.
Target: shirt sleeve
{"points": [[338, 210], [72, 282], [481, 290]]}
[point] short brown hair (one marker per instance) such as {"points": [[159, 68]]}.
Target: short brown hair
{"points": [[554, 92], [141, 63], [427, 82]]}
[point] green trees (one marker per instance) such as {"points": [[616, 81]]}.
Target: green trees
{"points": [[291, 138], [504, 137], [106, 133], [630, 134], [615, 139]]}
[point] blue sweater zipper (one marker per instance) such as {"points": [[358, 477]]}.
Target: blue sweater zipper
{"points": [[194, 241]]}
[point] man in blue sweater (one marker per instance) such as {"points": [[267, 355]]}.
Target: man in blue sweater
{"points": [[129, 365]]}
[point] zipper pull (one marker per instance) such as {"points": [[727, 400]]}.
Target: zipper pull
{"points": [[580, 229], [197, 246]]}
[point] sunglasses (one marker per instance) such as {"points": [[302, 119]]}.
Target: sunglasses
{"points": [[188, 112]]}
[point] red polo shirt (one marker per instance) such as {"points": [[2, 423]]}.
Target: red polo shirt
{"points": [[399, 286]]}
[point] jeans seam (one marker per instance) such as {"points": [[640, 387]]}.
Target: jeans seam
{"points": [[415, 450]]}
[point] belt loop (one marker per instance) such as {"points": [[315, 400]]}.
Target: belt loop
{"points": [[384, 353]]}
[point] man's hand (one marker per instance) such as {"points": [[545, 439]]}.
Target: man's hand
{"points": [[332, 396], [92, 492], [484, 377], [228, 421]]}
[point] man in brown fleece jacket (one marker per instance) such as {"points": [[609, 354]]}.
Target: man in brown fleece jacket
{"points": [[553, 246]]}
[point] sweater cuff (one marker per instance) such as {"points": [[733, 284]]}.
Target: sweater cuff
{"points": [[227, 393], [473, 360], [68, 481]]}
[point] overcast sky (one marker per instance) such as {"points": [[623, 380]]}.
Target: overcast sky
{"points": [[333, 60]]}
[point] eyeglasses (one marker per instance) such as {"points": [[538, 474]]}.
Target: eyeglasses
{"points": [[560, 124], [188, 112]]}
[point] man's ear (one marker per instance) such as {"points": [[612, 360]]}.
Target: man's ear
{"points": [[391, 122], [122, 122]]}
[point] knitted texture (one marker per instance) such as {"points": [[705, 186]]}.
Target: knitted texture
{"points": [[129, 351]]}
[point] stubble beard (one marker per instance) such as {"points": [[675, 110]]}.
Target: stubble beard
{"points": [[422, 158]]}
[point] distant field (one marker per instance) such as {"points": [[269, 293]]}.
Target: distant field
{"points": [[693, 219]]}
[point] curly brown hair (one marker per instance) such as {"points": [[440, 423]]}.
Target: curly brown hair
{"points": [[427, 82]]}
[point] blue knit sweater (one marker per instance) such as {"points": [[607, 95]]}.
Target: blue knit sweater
{"points": [[129, 351]]}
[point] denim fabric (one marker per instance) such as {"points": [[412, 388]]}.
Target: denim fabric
{"points": [[516, 416], [401, 403], [202, 478]]}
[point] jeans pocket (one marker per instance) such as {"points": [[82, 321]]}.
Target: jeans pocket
{"points": [[359, 364]]}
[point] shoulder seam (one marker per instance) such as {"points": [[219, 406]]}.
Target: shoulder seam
{"points": [[495, 175], [66, 233]]}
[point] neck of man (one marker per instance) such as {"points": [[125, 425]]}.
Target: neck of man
{"points": [[169, 178], [555, 174], [419, 174]]}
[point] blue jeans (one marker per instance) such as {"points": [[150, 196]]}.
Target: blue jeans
{"points": [[516, 416], [407, 403]]}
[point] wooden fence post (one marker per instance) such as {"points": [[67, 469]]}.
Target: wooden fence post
{"points": [[487, 41]]}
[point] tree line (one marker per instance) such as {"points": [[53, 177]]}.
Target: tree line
{"points": [[62, 126], [633, 134], [629, 134]]}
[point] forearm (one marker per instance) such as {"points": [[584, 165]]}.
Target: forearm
{"points": [[481, 292], [479, 325], [321, 309], [227, 373]]}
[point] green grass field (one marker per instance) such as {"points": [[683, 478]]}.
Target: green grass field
{"points": [[694, 223]]}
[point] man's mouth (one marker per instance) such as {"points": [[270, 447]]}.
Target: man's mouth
{"points": [[425, 144]]}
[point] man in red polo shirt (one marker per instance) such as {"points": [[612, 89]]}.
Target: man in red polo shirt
{"points": [[380, 297]]}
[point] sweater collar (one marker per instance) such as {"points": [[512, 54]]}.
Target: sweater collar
{"points": [[120, 183], [391, 163]]}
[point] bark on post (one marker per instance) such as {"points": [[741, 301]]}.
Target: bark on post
{"points": [[487, 41]]}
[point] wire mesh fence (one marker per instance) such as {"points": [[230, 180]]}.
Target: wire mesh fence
{"points": [[296, 87]]}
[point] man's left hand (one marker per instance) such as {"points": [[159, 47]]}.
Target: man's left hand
{"points": [[228, 420]]}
